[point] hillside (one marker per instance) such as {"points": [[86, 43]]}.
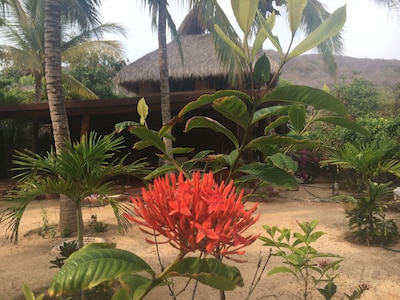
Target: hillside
{"points": [[309, 70]]}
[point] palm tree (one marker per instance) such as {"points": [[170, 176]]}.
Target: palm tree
{"points": [[78, 170], [160, 16], [25, 48], [86, 15]]}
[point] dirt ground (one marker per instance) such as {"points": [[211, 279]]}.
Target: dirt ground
{"points": [[29, 261]]}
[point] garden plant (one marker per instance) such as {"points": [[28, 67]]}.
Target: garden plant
{"points": [[176, 206], [81, 169], [193, 212]]}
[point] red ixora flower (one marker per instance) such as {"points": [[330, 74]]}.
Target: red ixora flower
{"points": [[195, 214]]}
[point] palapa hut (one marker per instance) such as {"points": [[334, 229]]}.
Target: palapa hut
{"points": [[198, 69]]}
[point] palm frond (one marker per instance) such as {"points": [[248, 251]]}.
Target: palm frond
{"points": [[83, 92]]}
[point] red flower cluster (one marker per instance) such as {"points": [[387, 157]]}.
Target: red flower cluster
{"points": [[196, 214]]}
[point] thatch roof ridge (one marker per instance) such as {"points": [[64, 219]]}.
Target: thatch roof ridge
{"points": [[199, 61]]}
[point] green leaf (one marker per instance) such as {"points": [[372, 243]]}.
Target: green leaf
{"points": [[29, 295], [160, 171], [269, 174], [328, 291], [297, 117], [121, 294], [209, 271], [245, 12], [138, 286], [205, 122], [269, 111], [234, 109], [295, 13], [187, 165], [279, 121], [230, 43], [280, 270], [182, 150], [326, 30], [262, 70], [283, 162], [123, 125], [345, 123], [267, 26], [279, 140], [307, 96], [207, 99], [143, 110], [296, 260], [94, 264], [149, 137]]}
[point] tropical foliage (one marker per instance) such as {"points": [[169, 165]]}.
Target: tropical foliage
{"points": [[311, 268], [96, 71], [297, 106], [79, 170], [194, 215], [23, 34], [369, 161], [367, 220]]}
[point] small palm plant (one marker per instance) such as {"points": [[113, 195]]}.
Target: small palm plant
{"points": [[81, 168], [367, 220]]}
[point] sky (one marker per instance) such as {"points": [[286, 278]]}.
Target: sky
{"points": [[370, 31]]}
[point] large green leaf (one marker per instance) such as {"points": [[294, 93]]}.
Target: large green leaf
{"points": [[295, 13], [209, 271], [262, 70], [94, 264], [279, 140], [150, 137], [143, 110], [278, 122], [267, 26], [269, 174], [205, 122], [262, 35], [297, 117], [326, 30], [234, 109], [346, 123], [308, 96], [210, 98], [245, 12], [269, 111], [283, 162]]}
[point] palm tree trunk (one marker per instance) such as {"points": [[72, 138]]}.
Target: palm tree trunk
{"points": [[55, 94], [164, 76]]}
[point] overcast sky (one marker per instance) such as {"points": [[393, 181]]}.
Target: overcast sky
{"points": [[370, 31]]}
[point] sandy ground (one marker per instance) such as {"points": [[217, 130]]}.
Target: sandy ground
{"points": [[29, 261]]}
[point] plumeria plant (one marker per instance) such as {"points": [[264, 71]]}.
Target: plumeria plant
{"points": [[193, 215]]}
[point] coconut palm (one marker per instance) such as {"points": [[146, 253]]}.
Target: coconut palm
{"points": [[85, 14], [159, 18], [24, 33], [78, 170]]}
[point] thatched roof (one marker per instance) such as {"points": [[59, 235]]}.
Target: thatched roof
{"points": [[200, 61]]}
